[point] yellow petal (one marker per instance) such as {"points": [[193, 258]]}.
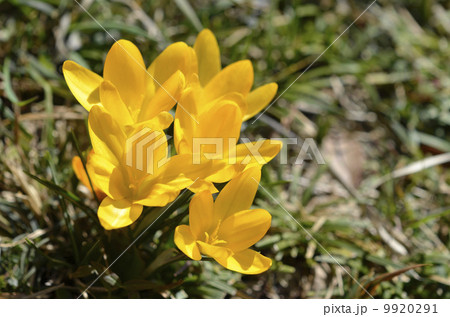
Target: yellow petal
{"points": [[245, 156], [220, 254], [82, 83], [165, 97], [181, 144], [176, 174], [185, 121], [160, 122], [146, 151], [259, 98], [119, 184], [201, 214], [247, 262], [164, 185], [125, 68], [201, 185], [111, 100], [181, 165], [213, 136], [256, 153], [185, 241], [177, 56], [222, 122], [107, 137], [159, 194], [208, 56], [226, 173], [238, 194], [243, 229], [237, 77], [115, 214], [232, 97], [100, 170]]}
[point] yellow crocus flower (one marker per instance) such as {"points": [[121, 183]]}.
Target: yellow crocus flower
{"points": [[227, 228], [236, 77], [141, 94], [218, 123], [214, 105], [127, 188], [201, 66]]}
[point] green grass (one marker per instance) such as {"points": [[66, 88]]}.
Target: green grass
{"points": [[377, 101]]}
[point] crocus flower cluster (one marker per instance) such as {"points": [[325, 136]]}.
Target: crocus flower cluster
{"points": [[134, 103]]}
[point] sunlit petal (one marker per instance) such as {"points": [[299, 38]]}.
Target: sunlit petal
{"points": [[107, 137], [259, 98], [159, 194], [243, 229], [247, 262], [214, 136], [257, 153], [115, 214], [80, 172], [160, 122], [201, 185], [111, 100], [237, 77], [165, 97], [125, 68], [177, 56], [100, 170], [201, 213], [238, 194], [208, 56], [185, 121], [220, 254], [82, 83], [185, 241]]}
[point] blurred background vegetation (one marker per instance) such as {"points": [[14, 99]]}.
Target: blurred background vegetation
{"points": [[377, 103]]}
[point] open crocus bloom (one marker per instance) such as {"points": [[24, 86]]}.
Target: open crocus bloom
{"points": [[201, 67], [214, 135], [140, 94], [237, 77], [149, 179], [226, 228]]}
